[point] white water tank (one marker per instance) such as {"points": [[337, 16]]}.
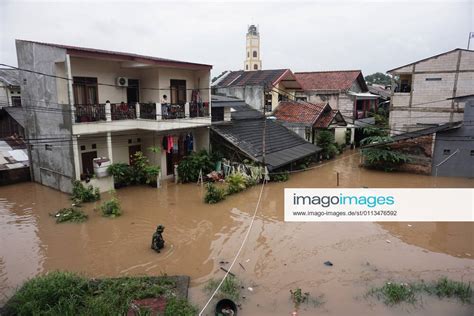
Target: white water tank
{"points": [[100, 166]]}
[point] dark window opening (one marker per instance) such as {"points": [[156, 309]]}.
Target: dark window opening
{"points": [[446, 151], [85, 91], [217, 114], [16, 101], [83, 147], [472, 153], [48, 147], [268, 102], [94, 146], [433, 79], [138, 140], [255, 67], [130, 141], [255, 53], [178, 91], [246, 67]]}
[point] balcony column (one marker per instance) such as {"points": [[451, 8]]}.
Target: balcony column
{"points": [[108, 112], [186, 110], [69, 88], [158, 111], [137, 109], [109, 147], [75, 151]]}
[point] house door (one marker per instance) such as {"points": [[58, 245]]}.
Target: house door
{"points": [[133, 91], [178, 91], [132, 150], [87, 162]]}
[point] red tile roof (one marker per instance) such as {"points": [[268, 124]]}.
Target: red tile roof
{"points": [[93, 52], [257, 77], [319, 115], [330, 80], [299, 112]]}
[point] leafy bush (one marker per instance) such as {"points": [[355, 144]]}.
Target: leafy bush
{"points": [[70, 215], [82, 194], [237, 182], [213, 194], [151, 174], [190, 166], [382, 156], [230, 288], [111, 208], [325, 140], [179, 307], [281, 176], [121, 172]]}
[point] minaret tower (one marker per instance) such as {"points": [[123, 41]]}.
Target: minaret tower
{"points": [[253, 61]]}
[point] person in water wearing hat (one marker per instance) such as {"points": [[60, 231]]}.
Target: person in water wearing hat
{"points": [[157, 241]]}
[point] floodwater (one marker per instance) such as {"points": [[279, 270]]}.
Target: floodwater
{"points": [[277, 257]]}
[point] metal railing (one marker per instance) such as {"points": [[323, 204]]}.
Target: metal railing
{"points": [[123, 111], [148, 111], [90, 112], [173, 111]]}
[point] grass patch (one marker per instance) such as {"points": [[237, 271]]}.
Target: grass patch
{"points": [[70, 214], [392, 293], [230, 288], [111, 208], [298, 297], [66, 293], [81, 194]]}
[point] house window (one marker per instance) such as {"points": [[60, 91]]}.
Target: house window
{"points": [[246, 67], [248, 54], [94, 146], [255, 67], [16, 101], [405, 84], [308, 133], [178, 91], [268, 102], [83, 147], [255, 53], [446, 151], [472, 153], [48, 147], [433, 79], [85, 91]]}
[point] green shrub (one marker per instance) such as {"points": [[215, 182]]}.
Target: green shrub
{"points": [[190, 166], [236, 182], [280, 176], [82, 194], [325, 140], [151, 174], [111, 208], [179, 307], [382, 157], [121, 172], [213, 194], [230, 288], [70, 214]]}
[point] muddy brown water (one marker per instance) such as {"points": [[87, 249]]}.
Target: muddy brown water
{"points": [[278, 256]]}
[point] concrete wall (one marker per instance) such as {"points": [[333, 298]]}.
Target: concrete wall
{"points": [[45, 117], [252, 95], [454, 76], [460, 164]]}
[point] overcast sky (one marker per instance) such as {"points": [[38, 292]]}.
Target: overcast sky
{"points": [[303, 36]]}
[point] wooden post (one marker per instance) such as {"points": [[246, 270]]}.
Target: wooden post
{"points": [[337, 177]]}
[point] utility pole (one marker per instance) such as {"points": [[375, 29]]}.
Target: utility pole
{"points": [[471, 35]]}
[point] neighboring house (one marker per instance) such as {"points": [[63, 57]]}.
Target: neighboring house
{"points": [[307, 119], [260, 89], [442, 150], [420, 97], [384, 93], [14, 165], [110, 107], [240, 136], [344, 90], [12, 121], [10, 94]]}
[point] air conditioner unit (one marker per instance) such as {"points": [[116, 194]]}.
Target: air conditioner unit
{"points": [[122, 82]]}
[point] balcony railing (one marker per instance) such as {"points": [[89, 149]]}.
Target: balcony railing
{"points": [[90, 113], [123, 111], [149, 111]]}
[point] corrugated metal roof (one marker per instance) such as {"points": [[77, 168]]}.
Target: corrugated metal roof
{"points": [[220, 101], [10, 77], [17, 113]]}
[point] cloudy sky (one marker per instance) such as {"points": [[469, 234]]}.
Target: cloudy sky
{"points": [[300, 35]]}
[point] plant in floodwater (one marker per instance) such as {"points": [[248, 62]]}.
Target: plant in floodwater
{"points": [[80, 193], [382, 156], [236, 182], [230, 288], [70, 214], [190, 167], [393, 293], [179, 307], [449, 288], [111, 208], [297, 297], [213, 194], [151, 174], [325, 140], [121, 173], [66, 293], [280, 176]]}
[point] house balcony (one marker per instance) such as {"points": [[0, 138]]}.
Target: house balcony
{"points": [[90, 119]]}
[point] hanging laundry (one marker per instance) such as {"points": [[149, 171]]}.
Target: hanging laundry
{"points": [[189, 142], [170, 144]]}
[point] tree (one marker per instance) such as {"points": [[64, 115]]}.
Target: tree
{"points": [[378, 78], [325, 140], [382, 157]]}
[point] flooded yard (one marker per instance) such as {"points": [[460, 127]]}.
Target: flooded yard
{"points": [[277, 257]]}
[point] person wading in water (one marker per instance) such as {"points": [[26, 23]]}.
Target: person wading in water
{"points": [[157, 242]]}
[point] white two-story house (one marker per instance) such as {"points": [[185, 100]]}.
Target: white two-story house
{"points": [[84, 103]]}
